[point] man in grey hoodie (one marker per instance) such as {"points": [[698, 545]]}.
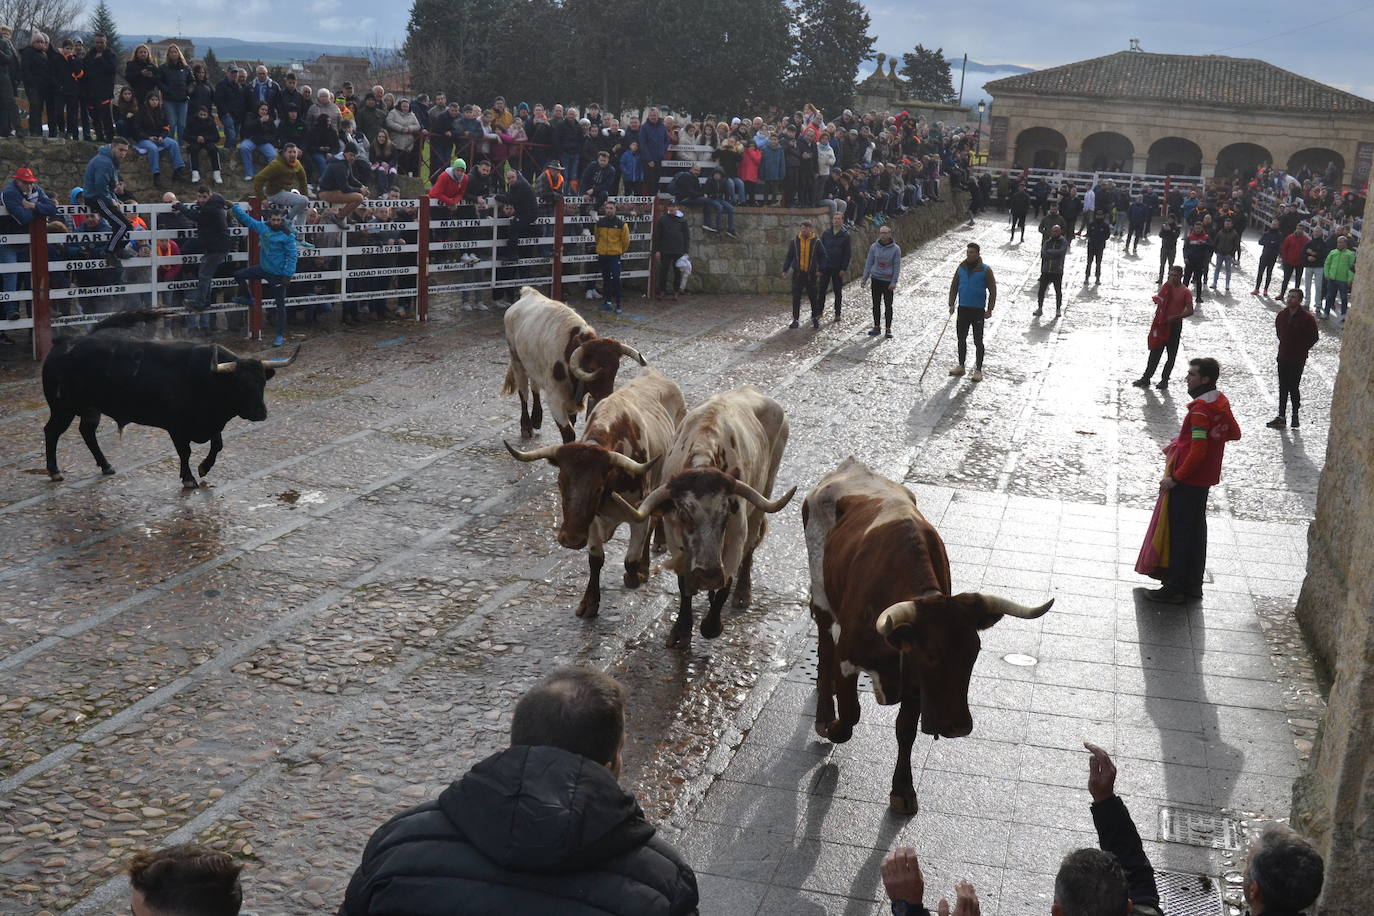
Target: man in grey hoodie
{"points": [[883, 267]]}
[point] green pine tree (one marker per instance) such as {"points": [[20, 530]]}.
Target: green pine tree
{"points": [[927, 74], [102, 23], [213, 71], [832, 40]]}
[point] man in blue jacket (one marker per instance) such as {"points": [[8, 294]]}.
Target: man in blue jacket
{"points": [[653, 147], [276, 262], [1136, 216], [24, 200], [102, 174]]}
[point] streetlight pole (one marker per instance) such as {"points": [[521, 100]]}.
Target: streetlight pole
{"points": [[978, 138]]}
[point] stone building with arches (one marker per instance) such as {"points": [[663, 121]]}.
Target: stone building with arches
{"points": [[1179, 114]]}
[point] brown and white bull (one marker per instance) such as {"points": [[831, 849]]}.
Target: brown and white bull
{"points": [[880, 596], [718, 476], [554, 351], [621, 448]]}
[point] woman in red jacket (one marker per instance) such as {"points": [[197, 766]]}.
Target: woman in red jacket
{"points": [[749, 170]]}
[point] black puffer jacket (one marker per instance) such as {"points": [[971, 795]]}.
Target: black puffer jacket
{"points": [[528, 830]]}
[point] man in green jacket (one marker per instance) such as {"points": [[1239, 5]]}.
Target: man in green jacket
{"points": [[280, 182], [1340, 271]]}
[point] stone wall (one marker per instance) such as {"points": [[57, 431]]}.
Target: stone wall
{"points": [[753, 263], [1334, 801]]}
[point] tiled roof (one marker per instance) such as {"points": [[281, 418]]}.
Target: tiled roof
{"points": [[1210, 81]]}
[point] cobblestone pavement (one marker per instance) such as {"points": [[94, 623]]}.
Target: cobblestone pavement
{"points": [[338, 627]]}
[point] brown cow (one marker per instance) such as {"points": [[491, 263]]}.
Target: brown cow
{"points": [[880, 596], [717, 479], [626, 436]]}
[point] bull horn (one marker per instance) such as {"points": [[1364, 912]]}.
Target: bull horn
{"points": [[647, 507], [217, 366], [280, 362], [539, 454], [630, 466], [995, 605], [632, 353], [575, 365], [763, 502], [899, 613]]}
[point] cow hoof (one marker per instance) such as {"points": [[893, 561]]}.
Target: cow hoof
{"points": [[202, 469], [588, 610], [823, 728], [634, 578], [839, 733], [107, 470], [526, 432], [679, 637], [190, 485], [741, 600], [711, 627], [56, 476], [903, 802]]}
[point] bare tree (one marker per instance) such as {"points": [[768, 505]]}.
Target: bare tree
{"points": [[55, 17], [386, 64]]}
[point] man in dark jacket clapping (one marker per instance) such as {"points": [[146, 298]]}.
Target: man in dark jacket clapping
{"points": [[541, 827]]}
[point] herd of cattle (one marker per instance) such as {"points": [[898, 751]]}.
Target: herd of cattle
{"points": [[699, 482]]}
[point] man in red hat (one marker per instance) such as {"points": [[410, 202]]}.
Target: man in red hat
{"points": [[23, 200]]}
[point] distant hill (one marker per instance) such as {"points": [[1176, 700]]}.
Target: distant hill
{"points": [[976, 67], [272, 52]]}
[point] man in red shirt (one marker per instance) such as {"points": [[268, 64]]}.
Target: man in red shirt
{"points": [[1194, 466], [1296, 328], [1173, 303]]}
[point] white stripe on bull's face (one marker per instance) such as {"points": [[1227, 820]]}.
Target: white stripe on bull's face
{"points": [[711, 524]]}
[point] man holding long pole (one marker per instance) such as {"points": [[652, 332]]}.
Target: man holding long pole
{"points": [[975, 291]]}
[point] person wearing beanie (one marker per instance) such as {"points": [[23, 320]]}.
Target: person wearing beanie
{"points": [[451, 185]]}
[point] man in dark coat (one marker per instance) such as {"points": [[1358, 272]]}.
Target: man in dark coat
{"points": [[838, 250], [671, 239], [541, 827]]}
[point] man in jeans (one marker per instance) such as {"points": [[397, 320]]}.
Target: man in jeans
{"points": [[1227, 244], [1173, 303], [1052, 252], [1339, 270], [276, 262]]}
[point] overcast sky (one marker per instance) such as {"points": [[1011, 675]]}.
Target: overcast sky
{"points": [[1325, 41]]}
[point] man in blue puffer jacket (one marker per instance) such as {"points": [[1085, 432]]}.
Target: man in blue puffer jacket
{"points": [[276, 262], [102, 174]]}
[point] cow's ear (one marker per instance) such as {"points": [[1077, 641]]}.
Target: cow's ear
{"points": [[269, 373], [735, 471]]}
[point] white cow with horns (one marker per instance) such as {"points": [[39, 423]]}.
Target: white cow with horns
{"points": [[554, 351]]}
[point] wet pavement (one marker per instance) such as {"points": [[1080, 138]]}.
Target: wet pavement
{"points": [[338, 627]]}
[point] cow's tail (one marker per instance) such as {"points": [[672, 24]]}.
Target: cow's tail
{"points": [[509, 385], [126, 320]]}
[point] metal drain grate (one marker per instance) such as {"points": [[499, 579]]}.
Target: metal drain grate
{"points": [[1189, 895], [1198, 828]]}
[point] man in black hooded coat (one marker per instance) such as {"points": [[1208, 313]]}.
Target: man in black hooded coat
{"points": [[541, 827]]}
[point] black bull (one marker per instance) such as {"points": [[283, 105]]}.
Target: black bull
{"points": [[191, 390]]}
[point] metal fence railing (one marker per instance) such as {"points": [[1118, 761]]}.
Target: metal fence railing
{"points": [[400, 250]]}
